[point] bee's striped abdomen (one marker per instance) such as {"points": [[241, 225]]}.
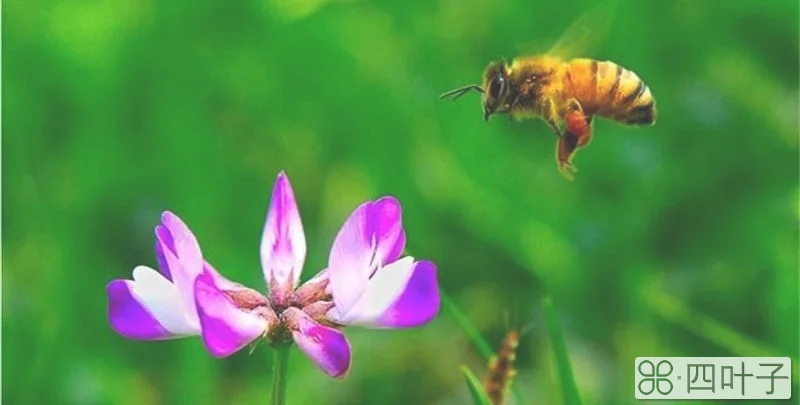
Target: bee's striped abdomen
{"points": [[609, 90], [628, 99]]}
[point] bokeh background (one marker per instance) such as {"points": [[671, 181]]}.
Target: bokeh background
{"points": [[675, 240]]}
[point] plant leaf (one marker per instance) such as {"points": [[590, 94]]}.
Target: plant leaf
{"points": [[568, 388], [469, 329], [472, 332], [479, 396]]}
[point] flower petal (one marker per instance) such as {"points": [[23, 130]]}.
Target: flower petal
{"points": [[226, 329], [327, 347], [371, 237], [148, 308], [401, 295], [385, 224], [349, 261], [220, 281], [182, 255], [160, 259], [181, 241], [283, 243]]}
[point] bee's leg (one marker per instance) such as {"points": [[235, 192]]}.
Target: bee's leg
{"points": [[513, 105], [551, 116], [578, 133], [588, 137], [565, 148]]}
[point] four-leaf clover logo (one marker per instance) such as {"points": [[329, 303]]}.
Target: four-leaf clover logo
{"points": [[655, 376]]}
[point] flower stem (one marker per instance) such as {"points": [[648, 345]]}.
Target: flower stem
{"points": [[279, 367]]}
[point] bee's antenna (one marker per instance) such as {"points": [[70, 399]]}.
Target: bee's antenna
{"points": [[456, 93]]}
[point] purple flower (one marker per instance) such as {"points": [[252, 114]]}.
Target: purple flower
{"points": [[368, 282]]}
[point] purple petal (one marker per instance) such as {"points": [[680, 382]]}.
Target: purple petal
{"points": [[385, 225], [160, 259], [283, 243], [163, 233], [182, 242], [403, 294], [226, 329], [220, 281], [371, 237], [328, 348], [418, 304], [182, 254], [349, 263], [127, 315], [148, 308]]}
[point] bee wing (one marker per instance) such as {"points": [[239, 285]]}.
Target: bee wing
{"points": [[585, 35]]}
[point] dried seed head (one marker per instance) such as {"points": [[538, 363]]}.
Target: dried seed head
{"points": [[501, 369]]}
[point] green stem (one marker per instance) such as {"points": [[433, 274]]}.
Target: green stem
{"points": [[279, 366], [567, 379]]}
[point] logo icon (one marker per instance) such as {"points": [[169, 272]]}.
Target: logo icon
{"points": [[655, 377], [712, 378]]}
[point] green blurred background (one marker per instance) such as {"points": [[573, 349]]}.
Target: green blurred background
{"points": [[675, 240]]}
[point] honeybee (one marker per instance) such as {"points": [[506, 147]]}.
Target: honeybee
{"points": [[566, 92]]}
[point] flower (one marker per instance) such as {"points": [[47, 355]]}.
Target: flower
{"points": [[368, 283], [158, 305]]}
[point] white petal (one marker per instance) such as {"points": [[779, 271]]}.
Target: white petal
{"points": [[382, 290], [351, 260], [162, 299]]}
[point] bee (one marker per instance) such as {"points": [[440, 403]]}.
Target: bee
{"points": [[566, 92], [501, 369]]}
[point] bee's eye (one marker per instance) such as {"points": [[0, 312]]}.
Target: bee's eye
{"points": [[496, 86]]}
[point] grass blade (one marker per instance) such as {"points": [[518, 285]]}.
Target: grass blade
{"points": [[472, 332], [678, 312], [565, 376], [469, 329], [479, 396]]}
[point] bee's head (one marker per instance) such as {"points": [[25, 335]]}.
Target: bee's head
{"points": [[496, 86], [495, 89]]}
